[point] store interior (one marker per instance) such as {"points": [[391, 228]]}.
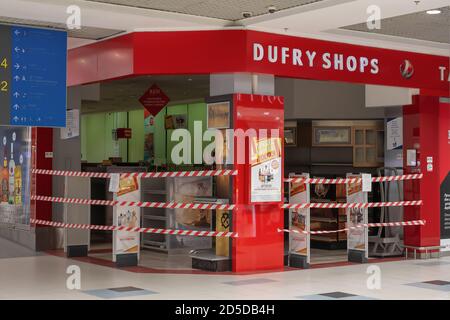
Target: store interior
{"points": [[329, 132]]}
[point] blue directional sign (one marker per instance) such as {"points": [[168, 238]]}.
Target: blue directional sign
{"points": [[33, 64]]}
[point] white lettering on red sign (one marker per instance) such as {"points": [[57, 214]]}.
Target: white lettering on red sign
{"points": [[444, 74], [298, 57]]}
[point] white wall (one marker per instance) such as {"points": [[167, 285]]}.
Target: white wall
{"points": [[311, 99]]}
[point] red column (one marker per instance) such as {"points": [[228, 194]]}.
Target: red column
{"points": [[42, 143], [421, 133], [259, 246]]}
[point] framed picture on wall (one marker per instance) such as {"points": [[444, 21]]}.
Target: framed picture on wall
{"points": [[290, 137], [176, 121], [332, 136], [218, 115]]}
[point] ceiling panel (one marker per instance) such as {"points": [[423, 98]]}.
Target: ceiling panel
{"points": [[420, 26], [223, 9], [83, 33], [123, 95]]}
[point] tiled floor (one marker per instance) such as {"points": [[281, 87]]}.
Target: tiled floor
{"points": [[45, 277], [9, 249]]}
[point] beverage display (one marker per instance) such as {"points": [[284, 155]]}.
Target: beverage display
{"points": [[12, 172], [18, 185], [4, 176]]}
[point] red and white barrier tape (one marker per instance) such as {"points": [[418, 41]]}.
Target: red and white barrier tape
{"points": [[352, 205], [209, 206], [164, 205], [195, 233], [354, 180], [359, 226], [203, 173]]}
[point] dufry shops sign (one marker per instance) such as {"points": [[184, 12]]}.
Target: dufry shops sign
{"points": [[227, 51], [326, 60]]}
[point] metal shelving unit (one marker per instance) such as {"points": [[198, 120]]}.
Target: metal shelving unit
{"points": [[155, 190]]}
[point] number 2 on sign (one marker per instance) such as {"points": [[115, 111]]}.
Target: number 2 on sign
{"points": [[4, 63], [4, 86]]}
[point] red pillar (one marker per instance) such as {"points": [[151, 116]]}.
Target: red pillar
{"points": [[421, 133], [42, 148], [259, 246]]}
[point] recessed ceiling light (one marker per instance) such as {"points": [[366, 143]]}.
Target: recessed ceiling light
{"points": [[435, 11]]}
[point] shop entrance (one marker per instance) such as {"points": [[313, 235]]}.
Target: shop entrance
{"points": [[148, 148], [331, 134], [331, 131]]}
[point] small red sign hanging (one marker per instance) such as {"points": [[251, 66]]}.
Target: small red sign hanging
{"points": [[154, 100]]}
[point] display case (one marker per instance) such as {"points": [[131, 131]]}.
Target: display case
{"points": [[328, 218]]}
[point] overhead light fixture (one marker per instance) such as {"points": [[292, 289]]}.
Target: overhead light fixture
{"points": [[434, 11]]}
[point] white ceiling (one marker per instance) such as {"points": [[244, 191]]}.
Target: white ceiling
{"points": [[223, 9], [404, 25], [418, 25]]}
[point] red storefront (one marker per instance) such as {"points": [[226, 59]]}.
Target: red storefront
{"points": [[259, 247]]}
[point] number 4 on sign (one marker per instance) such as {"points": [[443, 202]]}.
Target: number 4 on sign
{"points": [[4, 63]]}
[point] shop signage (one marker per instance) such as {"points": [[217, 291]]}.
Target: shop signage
{"points": [[126, 242], [32, 77], [154, 100], [299, 220], [394, 133], [310, 58], [357, 238], [326, 60], [72, 128], [265, 157], [225, 51], [444, 74], [124, 133]]}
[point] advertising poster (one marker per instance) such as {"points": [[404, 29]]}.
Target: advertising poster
{"points": [[72, 128], [445, 213], [126, 242], [266, 173], [394, 133], [186, 190], [299, 219], [149, 132], [356, 238], [15, 156]]}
